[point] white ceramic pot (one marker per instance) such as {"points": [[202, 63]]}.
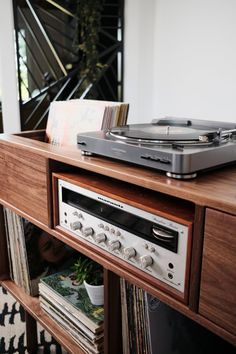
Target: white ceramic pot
{"points": [[95, 293]]}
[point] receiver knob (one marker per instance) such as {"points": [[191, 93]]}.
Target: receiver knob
{"points": [[146, 261], [88, 231], [114, 245], [100, 238], [129, 252], [76, 225]]}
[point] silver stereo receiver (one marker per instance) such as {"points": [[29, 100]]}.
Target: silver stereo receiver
{"points": [[158, 246]]}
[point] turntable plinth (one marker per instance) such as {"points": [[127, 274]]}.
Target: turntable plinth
{"points": [[180, 148]]}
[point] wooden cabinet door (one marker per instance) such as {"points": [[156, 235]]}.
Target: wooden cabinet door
{"points": [[218, 280], [23, 181]]}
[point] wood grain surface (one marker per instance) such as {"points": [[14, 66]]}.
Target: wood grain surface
{"points": [[196, 258], [218, 281], [216, 189], [112, 318], [23, 181]]}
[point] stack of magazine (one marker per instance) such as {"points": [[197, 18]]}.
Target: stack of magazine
{"points": [[69, 305]]}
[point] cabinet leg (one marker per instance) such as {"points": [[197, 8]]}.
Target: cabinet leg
{"points": [[31, 333], [112, 314]]}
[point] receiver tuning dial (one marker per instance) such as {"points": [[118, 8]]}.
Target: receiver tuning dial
{"points": [[146, 261], [88, 231], [76, 225], [129, 252], [114, 245], [100, 238]]}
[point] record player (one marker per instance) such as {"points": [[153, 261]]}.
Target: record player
{"points": [[180, 147]]}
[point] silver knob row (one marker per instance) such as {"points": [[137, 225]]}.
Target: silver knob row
{"points": [[113, 245]]}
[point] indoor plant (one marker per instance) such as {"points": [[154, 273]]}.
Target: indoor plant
{"points": [[91, 274], [87, 41]]}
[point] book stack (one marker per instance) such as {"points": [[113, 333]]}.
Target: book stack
{"points": [[69, 305], [68, 118]]}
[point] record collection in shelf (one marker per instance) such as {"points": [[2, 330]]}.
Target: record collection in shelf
{"points": [[68, 118], [135, 331], [33, 253], [149, 326]]}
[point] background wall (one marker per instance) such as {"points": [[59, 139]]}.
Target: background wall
{"points": [[180, 59], [8, 78]]}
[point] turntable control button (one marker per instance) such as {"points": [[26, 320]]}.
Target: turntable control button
{"points": [[146, 156], [165, 161], [155, 158], [151, 157], [81, 143]]}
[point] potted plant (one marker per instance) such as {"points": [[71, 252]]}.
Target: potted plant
{"points": [[90, 274]]}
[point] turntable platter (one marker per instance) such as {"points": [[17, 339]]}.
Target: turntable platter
{"points": [[154, 132]]}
